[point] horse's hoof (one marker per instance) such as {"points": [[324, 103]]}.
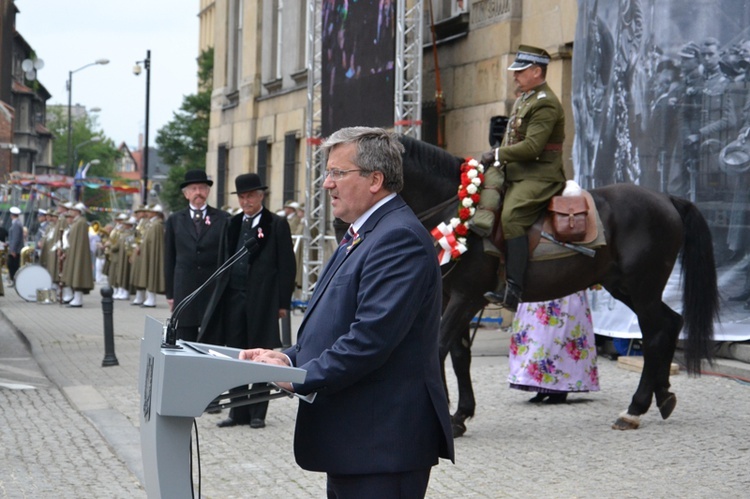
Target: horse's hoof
{"points": [[627, 422], [458, 429], [666, 407]]}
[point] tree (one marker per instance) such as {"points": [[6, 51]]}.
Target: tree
{"points": [[183, 142], [83, 129]]}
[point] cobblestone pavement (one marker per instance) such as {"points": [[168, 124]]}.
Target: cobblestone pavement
{"points": [[69, 427]]}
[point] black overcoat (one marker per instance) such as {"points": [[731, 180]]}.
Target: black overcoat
{"points": [[189, 259], [270, 278]]}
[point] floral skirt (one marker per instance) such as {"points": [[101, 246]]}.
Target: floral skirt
{"points": [[552, 349]]}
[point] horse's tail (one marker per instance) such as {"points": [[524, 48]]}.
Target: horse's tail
{"points": [[700, 299]]}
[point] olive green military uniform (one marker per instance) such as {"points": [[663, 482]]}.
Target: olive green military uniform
{"points": [[531, 156], [529, 161]]}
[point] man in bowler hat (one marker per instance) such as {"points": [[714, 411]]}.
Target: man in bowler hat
{"points": [[191, 251], [255, 292]]}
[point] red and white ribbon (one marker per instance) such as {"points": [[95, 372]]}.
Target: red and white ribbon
{"points": [[450, 247]]}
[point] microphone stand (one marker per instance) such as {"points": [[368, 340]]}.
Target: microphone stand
{"points": [[250, 247]]}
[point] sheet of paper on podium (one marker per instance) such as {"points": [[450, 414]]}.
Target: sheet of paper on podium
{"points": [[309, 398]]}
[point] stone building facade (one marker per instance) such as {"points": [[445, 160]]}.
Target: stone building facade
{"points": [[259, 99]]}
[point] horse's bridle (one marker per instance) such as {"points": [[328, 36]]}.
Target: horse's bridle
{"points": [[425, 215]]}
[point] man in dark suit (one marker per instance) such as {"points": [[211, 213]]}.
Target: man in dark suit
{"points": [[255, 292], [369, 339], [191, 251]]}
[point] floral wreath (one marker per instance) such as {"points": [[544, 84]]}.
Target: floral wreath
{"points": [[472, 179]]}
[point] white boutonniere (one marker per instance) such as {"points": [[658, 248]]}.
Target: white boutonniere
{"points": [[207, 220]]}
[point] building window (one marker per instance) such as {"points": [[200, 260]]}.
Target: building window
{"points": [[264, 152], [302, 64], [291, 147], [459, 7], [451, 18], [234, 45], [222, 168], [272, 50], [279, 37]]}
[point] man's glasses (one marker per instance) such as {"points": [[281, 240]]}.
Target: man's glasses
{"points": [[337, 174]]}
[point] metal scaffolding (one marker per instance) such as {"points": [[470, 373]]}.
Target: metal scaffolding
{"points": [[316, 208], [408, 121], [408, 91]]}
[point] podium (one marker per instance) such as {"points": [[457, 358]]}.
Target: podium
{"points": [[176, 385]]}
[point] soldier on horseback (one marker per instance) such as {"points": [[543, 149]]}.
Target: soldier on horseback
{"points": [[529, 164]]}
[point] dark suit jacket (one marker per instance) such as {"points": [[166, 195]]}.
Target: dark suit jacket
{"points": [[15, 238], [270, 278], [369, 344], [189, 259]]}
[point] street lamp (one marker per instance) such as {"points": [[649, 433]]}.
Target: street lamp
{"points": [[137, 71], [93, 139], [78, 179], [70, 105]]}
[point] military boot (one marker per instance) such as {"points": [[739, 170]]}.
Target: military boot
{"points": [[508, 293]]}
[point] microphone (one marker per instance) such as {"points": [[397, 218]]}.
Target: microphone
{"points": [[250, 247]]}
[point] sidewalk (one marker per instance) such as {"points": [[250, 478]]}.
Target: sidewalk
{"points": [[85, 442]]}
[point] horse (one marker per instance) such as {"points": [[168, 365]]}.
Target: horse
{"points": [[645, 233]]}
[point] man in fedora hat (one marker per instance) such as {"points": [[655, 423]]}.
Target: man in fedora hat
{"points": [[78, 273], [529, 163], [191, 251], [251, 297]]}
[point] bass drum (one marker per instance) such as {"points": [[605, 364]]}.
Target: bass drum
{"points": [[29, 278]]}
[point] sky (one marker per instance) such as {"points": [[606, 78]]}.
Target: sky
{"points": [[69, 34]]}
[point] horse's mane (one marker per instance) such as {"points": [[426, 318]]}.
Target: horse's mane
{"points": [[426, 159]]}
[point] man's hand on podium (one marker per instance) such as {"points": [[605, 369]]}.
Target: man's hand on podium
{"points": [[268, 357]]}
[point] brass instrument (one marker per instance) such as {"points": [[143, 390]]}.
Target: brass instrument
{"points": [[27, 255]]}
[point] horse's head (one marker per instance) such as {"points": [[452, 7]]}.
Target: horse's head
{"points": [[431, 177]]}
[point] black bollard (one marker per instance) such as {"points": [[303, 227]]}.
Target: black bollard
{"points": [[109, 330]]}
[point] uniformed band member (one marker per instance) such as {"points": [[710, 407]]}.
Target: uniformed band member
{"points": [[151, 274], [78, 273], [191, 251], [47, 256], [124, 251], [40, 232], [112, 260], [530, 160], [53, 261], [62, 250], [137, 277], [290, 212]]}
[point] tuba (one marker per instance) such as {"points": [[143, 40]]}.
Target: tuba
{"points": [[27, 255]]}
